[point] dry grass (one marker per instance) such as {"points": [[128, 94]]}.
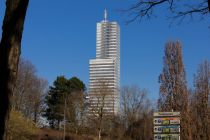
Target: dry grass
{"points": [[48, 134]]}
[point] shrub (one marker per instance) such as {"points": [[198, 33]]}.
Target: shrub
{"points": [[20, 127]]}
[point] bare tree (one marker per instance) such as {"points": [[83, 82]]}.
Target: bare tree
{"points": [[75, 111], [28, 94], [99, 108], [200, 105], [25, 76], [10, 47], [177, 9], [37, 98], [133, 101], [174, 94], [136, 113]]}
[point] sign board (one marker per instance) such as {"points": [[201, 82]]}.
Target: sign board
{"points": [[166, 114], [167, 129], [166, 125], [167, 121], [167, 137]]}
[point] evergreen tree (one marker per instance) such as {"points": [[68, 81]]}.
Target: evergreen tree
{"points": [[60, 90]]}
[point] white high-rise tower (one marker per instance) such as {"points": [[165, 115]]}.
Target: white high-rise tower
{"points": [[104, 80]]}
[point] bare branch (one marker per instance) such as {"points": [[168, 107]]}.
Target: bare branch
{"points": [[176, 9], [144, 9]]}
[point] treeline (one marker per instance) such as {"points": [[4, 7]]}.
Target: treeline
{"points": [[135, 120], [68, 108], [64, 106]]}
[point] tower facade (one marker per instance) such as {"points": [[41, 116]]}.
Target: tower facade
{"points": [[104, 71]]}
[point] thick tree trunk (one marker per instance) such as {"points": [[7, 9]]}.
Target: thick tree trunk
{"points": [[10, 48], [209, 5]]}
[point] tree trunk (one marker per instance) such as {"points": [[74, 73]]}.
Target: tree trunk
{"points": [[99, 134], [10, 48], [35, 115]]}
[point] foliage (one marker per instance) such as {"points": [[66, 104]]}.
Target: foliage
{"points": [[54, 100], [20, 127], [61, 90]]}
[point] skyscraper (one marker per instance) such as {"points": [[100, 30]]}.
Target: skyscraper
{"points": [[104, 71]]}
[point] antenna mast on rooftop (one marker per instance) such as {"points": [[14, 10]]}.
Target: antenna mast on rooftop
{"points": [[105, 15]]}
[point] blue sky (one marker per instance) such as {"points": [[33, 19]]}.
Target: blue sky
{"points": [[59, 39]]}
